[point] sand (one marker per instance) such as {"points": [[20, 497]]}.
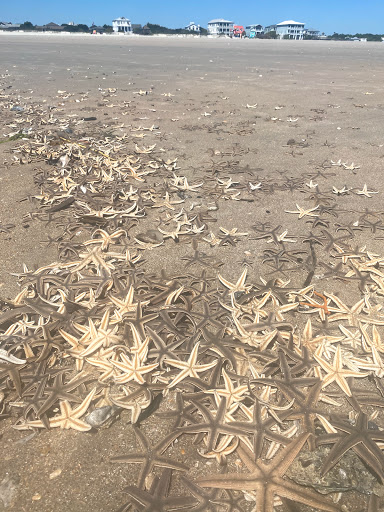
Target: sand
{"points": [[267, 106]]}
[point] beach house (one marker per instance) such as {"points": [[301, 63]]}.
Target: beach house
{"points": [[254, 30], [220, 27], [122, 26], [4, 25], [290, 30], [193, 27], [311, 32], [50, 27]]}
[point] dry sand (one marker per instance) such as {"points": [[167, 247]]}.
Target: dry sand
{"points": [[332, 90]]}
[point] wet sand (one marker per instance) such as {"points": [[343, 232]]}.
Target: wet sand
{"points": [[268, 107]]}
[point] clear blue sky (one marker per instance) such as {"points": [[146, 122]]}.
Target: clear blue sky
{"points": [[344, 16]]}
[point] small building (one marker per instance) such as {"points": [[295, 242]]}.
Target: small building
{"points": [[193, 27], [290, 30], [50, 27], [122, 26], [220, 27], [146, 31], [7, 25], [311, 32], [238, 31], [254, 30], [270, 28]]}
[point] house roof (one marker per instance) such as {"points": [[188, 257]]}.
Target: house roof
{"points": [[219, 20], [4, 24], [289, 22], [121, 19]]}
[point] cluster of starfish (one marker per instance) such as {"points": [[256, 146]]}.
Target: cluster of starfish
{"points": [[259, 371]]}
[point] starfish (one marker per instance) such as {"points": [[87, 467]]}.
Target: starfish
{"points": [[305, 408], [323, 308], [268, 481], [68, 417], [4, 356], [281, 238], [303, 213], [351, 167], [173, 234], [157, 499], [188, 368], [132, 369], [97, 257], [182, 184], [206, 500], [252, 338], [360, 437], [254, 187], [231, 394], [214, 426], [106, 238], [233, 232], [335, 372], [166, 202], [261, 429], [352, 314], [239, 286], [101, 337], [233, 502], [162, 349], [340, 191], [352, 338], [376, 365], [152, 456], [365, 192], [77, 346], [59, 390], [125, 306]]}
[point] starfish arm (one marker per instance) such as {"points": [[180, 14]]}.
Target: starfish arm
{"points": [[301, 494]]}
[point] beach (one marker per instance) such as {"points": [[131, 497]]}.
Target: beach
{"points": [[217, 159]]}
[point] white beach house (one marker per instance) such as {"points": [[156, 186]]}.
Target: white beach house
{"points": [[220, 27], [290, 30], [193, 27], [312, 32], [122, 26]]}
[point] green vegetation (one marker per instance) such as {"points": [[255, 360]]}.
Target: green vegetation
{"points": [[150, 28], [75, 28], [269, 35], [17, 136], [158, 29], [27, 25], [346, 37]]}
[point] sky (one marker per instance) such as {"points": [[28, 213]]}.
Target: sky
{"points": [[343, 16]]}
